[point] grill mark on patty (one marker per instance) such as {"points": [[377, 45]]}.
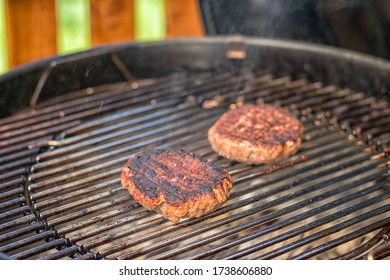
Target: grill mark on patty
{"points": [[256, 134], [178, 175], [263, 125]]}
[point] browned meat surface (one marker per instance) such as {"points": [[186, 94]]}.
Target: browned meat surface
{"points": [[176, 183], [256, 134]]}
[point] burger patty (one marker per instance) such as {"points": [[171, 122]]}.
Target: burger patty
{"points": [[176, 183], [256, 134]]}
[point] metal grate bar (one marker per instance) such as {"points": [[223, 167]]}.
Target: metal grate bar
{"points": [[54, 122], [13, 173], [67, 252], [147, 113], [380, 252], [15, 212], [29, 145], [93, 209], [16, 163], [65, 141], [77, 101], [307, 227], [11, 183], [143, 130], [88, 256], [259, 233], [22, 154], [134, 217], [76, 194], [40, 249], [380, 119], [375, 132], [366, 246], [12, 202], [352, 235], [23, 139], [57, 199], [107, 164], [83, 211], [16, 233], [144, 85], [99, 109], [224, 221], [265, 217], [14, 223], [98, 148], [74, 204], [95, 230], [27, 241], [73, 184], [10, 193], [307, 168]]}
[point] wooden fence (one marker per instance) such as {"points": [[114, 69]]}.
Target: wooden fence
{"points": [[32, 28]]}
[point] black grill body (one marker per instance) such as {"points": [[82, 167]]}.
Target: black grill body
{"points": [[70, 123]]}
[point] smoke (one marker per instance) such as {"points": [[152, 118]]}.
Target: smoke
{"points": [[284, 19]]}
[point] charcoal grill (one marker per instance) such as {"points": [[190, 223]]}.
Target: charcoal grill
{"points": [[69, 124]]}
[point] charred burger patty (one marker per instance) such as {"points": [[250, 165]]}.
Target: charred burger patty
{"points": [[176, 183], [256, 134]]}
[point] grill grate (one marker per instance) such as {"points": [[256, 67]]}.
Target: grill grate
{"points": [[60, 192]]}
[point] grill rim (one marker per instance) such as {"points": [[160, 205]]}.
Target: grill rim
{"points": [[61, 243], [307, 58]]}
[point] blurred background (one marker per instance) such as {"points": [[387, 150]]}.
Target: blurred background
{"points": [[141, 20], [34, 29]]}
